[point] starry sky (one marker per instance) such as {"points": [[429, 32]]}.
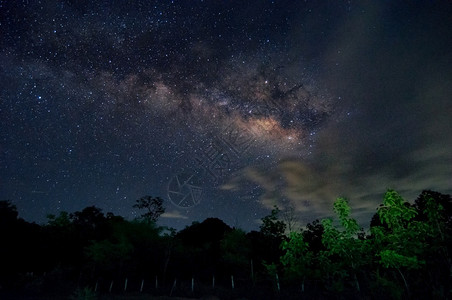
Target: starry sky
{"points": [[223, 108]]}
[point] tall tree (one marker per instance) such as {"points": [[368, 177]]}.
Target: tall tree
{"points": [[290, 218], [343, 244], [153, 208], [272, 225], [8, 213], [435, 210], [297, 259], [399, 243], [235, 250]]}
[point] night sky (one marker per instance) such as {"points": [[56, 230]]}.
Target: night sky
{"points": [[223, 108]]}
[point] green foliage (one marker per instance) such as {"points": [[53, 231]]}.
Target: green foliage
{"points": [[272, 268], [404, 237], [107, 253], [399, 246], [62, 220], [236, 248], [345, 253], [84, 294], [395, 212], [342, 242], [342, 209], [297, 258], [391, 259]]}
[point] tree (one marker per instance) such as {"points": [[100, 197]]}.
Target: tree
{"points": [[401, 240], [153, 207], [290, 218], [236, 249], [313, 236], [90, 223], [345, 252], [90, 217], [297, 259], [272, 230], [61, 221], [110, 253], [272, 226], [435, 210], [8, 213], [200, 247]]}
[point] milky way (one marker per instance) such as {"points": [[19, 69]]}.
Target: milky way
{"points": [[222, 109]]}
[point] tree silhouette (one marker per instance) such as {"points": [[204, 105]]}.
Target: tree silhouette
{"points": [[271, 225], [235, 250], [406, 253], [297, 259], [153, 207], [8, 212]]}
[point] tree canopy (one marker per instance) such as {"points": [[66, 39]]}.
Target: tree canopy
{"points": [[405, 253]]}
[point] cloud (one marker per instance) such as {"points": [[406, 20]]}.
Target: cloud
{"points": [[174, 214]]}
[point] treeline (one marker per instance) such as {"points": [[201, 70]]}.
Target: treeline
{"points": [[404, 254]]}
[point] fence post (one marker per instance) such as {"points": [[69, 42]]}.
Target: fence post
{"points": [[174, 286], [252, 271], [111, 286], [142, 284]]}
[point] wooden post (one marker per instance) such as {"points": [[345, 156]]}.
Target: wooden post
{"points": [[174, 286], [232, 281], [277, 282], [142, 284], [252, 271], [111, 286], [125, 285]]}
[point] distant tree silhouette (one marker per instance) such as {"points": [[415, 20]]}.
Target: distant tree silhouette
{"points": [[271, 225], [236, 250], [290, 218], [20, 245], [90, 223], [203, 242], [153, 207], [62, 220], [90, 217], [435, 210], [272, 232], [313, 236], [8, 212], [406, 253], [62, 240]]}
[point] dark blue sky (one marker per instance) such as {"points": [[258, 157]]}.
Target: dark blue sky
{"points": [[223, 108]]}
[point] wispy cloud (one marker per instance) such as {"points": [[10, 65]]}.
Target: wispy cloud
{"points": [[174, 214]]}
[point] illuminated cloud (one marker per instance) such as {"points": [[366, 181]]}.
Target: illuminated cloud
{"points": [[174, 214]]}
